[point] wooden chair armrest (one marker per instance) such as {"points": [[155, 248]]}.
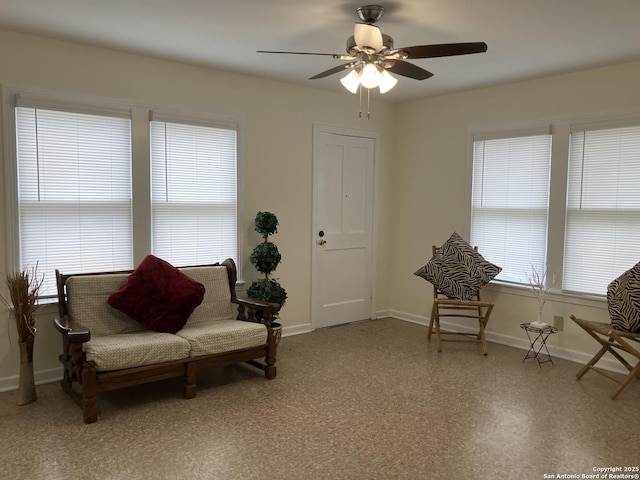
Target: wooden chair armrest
{"points": [[74, 332]]}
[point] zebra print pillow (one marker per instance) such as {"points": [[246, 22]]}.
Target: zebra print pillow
{"points": [[479, 268], [623, 299], [458, 270]]}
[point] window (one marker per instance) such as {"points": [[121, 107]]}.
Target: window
{"points": [[602, 235], [95, 184], [510, 198], [74, 190], [576, 213], [193, 193]]}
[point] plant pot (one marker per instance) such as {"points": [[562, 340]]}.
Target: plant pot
{"points": [[27, 386], [277, 331]]}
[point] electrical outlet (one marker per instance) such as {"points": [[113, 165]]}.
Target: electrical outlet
{"points": [[558, 322]]}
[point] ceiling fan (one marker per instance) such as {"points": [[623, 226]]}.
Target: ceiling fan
{"points": [[371, 56]]}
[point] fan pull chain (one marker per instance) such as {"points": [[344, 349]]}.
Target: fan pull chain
{"points": [[360, 87]]}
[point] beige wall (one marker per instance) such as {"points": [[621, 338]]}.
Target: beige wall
{"points": [[430, 199], [423, 161], [278, 124]]}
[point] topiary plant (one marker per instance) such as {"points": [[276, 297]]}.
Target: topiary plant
{"points": [[266, 223], [268, 290], [265, 258]]}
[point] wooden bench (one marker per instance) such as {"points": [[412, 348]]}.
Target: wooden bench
{"points": [[103, 349]]}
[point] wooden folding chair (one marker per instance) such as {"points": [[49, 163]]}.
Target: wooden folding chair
{"points": [[611, 339], [444, 307]]}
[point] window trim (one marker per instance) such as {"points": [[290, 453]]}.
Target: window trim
{"points": [[140, 114], [521, 132], [561, 128], [218, 207]]}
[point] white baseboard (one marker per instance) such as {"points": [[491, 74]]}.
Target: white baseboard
{"points": [[55, 374], [578, 357], [297, 330], [41, 376], [383, 314]]}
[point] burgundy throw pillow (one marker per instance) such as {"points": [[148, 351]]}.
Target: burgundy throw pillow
{"points": [[158, 295]]}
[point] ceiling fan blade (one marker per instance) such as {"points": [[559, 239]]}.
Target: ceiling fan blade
{"points": [[444, 49], [410, 70], [367, 35], [299, 53], [331, 71]]}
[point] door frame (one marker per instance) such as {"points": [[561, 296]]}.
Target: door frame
{"points": [[375, 136]]}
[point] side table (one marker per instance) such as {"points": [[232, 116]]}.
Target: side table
{"points": [[538, 339]]}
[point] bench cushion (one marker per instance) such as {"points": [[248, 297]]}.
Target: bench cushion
{"points": [[87, 297], [87, 304], [128, 350], [158, 295], [216, 304], [223, 336]]}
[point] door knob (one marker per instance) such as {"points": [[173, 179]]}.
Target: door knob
{"points": [[322, 241]]}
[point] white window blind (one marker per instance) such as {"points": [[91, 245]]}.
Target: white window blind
{"points": [[194, 193], [602, 233], [510, 199], [74, 192]]}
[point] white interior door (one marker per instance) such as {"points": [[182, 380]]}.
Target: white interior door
{"points": [[344, 175]]}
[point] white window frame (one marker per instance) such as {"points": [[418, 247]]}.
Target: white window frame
{"points": [[230, 124], [524, 131], [140, 114], [561, 128]]}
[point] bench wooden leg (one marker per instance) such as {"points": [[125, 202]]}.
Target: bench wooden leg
{"points": [[89, 393], [270, 360], [66, 382], [190, 381]]}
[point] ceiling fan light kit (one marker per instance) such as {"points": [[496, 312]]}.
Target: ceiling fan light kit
{"points": [[372, 57], [370, 76], [351, 81], [387, 82]]}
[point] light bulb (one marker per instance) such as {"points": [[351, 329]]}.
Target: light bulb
{"points": [[351, 81], [387, 81], [370, 76]]}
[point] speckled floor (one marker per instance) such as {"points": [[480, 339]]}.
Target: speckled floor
{"points": [[372, 400]]}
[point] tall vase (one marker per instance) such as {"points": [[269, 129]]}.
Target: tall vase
{"points": [[27, 387], [539, 323]]}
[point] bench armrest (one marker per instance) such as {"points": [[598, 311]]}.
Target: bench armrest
{"points": [[74, 332], [248, 307], [257, 304]]}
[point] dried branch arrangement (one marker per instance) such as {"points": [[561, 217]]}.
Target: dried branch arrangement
{"points": [[24, 287], [538, 284]]}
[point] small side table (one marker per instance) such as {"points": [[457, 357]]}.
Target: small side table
{"points": [[538, 339]]}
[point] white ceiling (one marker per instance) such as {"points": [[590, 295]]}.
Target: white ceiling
{"points": [[526, 38]]}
